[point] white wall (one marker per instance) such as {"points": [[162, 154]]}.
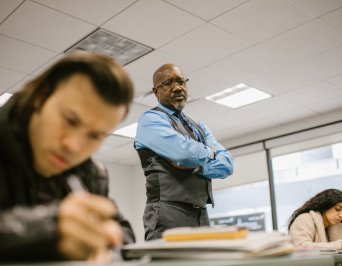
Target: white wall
{"points": [[139, 202], [127, 188], [248, 168], [283, 129]]}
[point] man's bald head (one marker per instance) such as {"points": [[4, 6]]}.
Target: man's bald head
{"points": [[164, 72], [170, 94]]}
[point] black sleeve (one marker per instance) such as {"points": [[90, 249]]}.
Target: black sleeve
{"points": [[29, 233], [99, 185], [127, 230]]}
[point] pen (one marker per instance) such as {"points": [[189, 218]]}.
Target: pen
{"points": [[75, 184]]}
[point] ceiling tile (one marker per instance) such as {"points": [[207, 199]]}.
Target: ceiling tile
{"points": [[149, 100], [202, 109], [135, 111], [233, 70], [89, 10], [325, 65], [116, 141], [227, 133], [305, 41], [249, 63], [319, 7], [205, 81], [337, 81], [44, 27], [43, 68], [312, 94], [7, 7], [260, 124], [268, 107], [153, 23], [141, 86], [291, 116], [334, 20], [22, 57], [205, 9], [145, 66], [230, 119], [285, 79], [259, 20], [207, 51], [19, 85], [327, 106], [9, 78]]}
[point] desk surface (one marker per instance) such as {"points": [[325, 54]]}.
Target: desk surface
{"points": [[337, 257], [323, 260]]}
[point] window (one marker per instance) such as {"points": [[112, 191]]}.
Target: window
{"points": [[247, 205], [300, 175]]}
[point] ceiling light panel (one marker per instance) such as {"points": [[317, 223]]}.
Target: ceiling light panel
{"points": [[4, 98], [103, 42], [128, 131], [238, 96]]}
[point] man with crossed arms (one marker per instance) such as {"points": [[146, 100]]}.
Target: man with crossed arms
{"points": [[179, 158]]}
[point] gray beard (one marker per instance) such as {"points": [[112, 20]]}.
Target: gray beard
{"points": [[180, 106]]}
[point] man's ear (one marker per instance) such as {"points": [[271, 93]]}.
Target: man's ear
{"points": [[155, 91]]}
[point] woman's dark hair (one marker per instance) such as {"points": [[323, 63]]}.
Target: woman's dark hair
{"points": [[109, 78], [323, 201]]}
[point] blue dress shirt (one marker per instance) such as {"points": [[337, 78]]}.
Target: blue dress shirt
{"points": [[156, 133]]}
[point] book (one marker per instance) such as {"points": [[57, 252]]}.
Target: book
{"points": [[205, 232], [255, 244]]}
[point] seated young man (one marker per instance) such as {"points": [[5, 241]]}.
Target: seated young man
{"points": [[48, 132]]}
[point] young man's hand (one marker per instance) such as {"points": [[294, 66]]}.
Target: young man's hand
{"points": [[85, 227]]}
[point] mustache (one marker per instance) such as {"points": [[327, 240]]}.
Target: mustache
{"points": [[179, 94]]}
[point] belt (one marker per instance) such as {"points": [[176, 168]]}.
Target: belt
{"points": [[189, 205]]}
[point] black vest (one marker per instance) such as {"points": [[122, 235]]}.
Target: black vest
{"points": [[164, 182]]}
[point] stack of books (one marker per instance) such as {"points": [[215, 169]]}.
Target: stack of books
{"points": [[230, 242]]}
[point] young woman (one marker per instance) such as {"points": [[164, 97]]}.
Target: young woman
{"points": [[318, 222]]}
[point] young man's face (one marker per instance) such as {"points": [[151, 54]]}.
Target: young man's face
{"points": [[70, 126]]}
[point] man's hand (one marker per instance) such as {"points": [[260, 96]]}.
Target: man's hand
{"points": [[85, 228], [182, 167]]}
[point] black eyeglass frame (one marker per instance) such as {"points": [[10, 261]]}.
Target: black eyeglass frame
{"points": [[174, 81]]}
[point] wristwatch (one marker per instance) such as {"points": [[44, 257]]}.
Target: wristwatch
{"points": [[196, 170], [214, 151]]}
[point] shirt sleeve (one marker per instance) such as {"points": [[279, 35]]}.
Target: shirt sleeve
{"points": [[156, 133], [223, 164]]}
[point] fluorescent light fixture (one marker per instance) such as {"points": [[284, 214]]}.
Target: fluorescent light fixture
{"points": [[4, 98], [103, 42], [128, 131], [239, 95]]}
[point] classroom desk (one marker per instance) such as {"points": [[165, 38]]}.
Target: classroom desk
{"points": [[323, 260], [337, 258]]}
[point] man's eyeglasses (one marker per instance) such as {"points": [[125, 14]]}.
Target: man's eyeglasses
{"points": [[170, 84]]}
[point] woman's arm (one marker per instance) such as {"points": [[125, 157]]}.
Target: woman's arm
{"points": [[303, 232]]}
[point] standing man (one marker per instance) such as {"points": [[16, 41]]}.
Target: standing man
{"points": [[48, 131], [179, 158]]}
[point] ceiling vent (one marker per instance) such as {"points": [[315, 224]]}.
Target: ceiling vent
{"points": [[103, 42]]}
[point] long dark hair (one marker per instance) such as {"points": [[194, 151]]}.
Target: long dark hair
{"points": [[109, 78], [323, 201]]}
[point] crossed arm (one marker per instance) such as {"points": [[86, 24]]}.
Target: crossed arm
{"points": [[156, 133]]}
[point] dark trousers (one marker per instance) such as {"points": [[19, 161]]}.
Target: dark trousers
{"points": [[160, 216]]}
